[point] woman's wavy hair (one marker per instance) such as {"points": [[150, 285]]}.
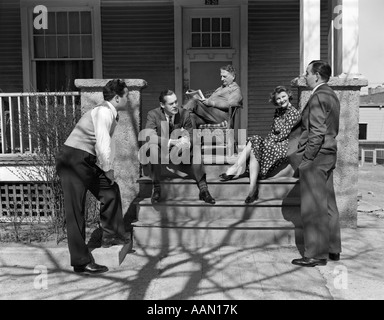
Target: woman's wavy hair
{"points": [[279, 89]]}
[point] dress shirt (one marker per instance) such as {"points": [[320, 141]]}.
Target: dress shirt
{"points": [[104, 120], [315, 88], [170, 124], [226, 97]]}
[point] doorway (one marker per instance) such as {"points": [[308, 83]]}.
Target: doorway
{"points": [[211, 39]]}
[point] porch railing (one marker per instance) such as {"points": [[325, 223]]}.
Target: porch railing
{"points": [[32, 121]]}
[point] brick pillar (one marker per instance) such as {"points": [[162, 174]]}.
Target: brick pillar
{"points": [[346, 172], [127, 147]]}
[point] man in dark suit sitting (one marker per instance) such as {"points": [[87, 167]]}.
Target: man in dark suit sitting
{"points": [[170, 132]]}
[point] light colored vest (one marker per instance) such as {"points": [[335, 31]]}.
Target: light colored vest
{"points": [[83, 136]]}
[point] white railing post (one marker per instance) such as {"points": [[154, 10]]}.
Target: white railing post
{"points": [[11, 125], [29, 124], [47, 119], [20, 125], [37, 121]]}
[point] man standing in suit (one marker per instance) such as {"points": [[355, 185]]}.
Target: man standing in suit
{"points": [[215, 109], [86, 163], [316, 160], [170, 130]]}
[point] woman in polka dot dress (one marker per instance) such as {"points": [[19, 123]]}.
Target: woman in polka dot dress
{"points": [[270, 152]]}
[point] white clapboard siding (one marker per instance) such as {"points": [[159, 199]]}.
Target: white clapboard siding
{"points": [[374, 118]]}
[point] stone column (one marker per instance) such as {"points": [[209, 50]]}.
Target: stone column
{"points": [[127, 147], [346, 172], [309, 32]]}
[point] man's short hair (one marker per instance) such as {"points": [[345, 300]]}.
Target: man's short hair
{"points": [[230, 69], [114, 87], [164, 93], [323, 68]]}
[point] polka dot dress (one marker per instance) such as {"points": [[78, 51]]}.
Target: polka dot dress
{"points": [[271, 152]]}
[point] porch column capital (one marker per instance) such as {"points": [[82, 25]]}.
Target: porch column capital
{"points": [[309, 32], [346, 37]]}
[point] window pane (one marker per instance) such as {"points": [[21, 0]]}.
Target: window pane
{"points": [[86, 46], [51, 23], [206, 40], [74, 46], [86, 25], [215, 39], [216, 24], [62, 23], [50, 45], [226, 40], [362, 131], [226, 24], [74, 22], [196, 40], [195, 25], [38, 44], [206, 24], [61, 75], [62, 46]]}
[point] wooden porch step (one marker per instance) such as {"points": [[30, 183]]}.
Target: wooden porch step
{"points": [[179, 209], [197, 234]]}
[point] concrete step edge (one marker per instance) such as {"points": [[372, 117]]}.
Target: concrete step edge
{"points": [[288, 180], [253, 224], [182, 202]]}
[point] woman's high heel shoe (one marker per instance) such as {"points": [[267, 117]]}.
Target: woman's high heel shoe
{"points": [[226, 177], [253, 198]]}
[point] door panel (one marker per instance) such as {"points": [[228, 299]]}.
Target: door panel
{"points": [[205, 75], [210, 41]]}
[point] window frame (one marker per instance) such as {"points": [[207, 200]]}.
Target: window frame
{"points": [[29, 62], [361, 124]]}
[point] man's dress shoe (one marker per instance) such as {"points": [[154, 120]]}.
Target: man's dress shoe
{"points": [[334, 256], [309, 262], [90, 268], [206, 196], [226, 177], [156, 195]]}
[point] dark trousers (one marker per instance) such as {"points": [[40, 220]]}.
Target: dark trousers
{"points": [[319, 211], [194, 170], [78, 173]]}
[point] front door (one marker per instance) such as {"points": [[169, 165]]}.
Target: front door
{"points": [[211, 39]]}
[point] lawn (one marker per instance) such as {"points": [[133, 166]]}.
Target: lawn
{"points": [[371, 184]]}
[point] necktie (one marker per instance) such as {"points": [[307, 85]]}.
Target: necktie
{"points": [[170, 123], [117, 118]]}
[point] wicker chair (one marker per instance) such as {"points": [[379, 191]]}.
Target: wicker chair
{"points": [[220, 130]]}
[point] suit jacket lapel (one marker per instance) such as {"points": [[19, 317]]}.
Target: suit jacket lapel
{"points": [[161, 118], [176, 120]]}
